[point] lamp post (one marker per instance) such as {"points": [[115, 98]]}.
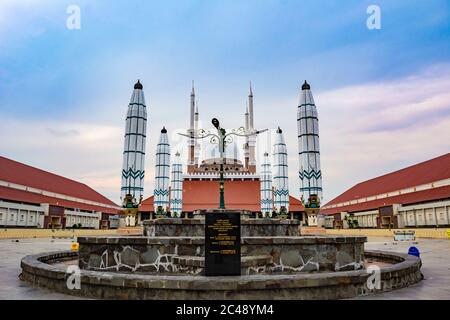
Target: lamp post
{"points": [[222, 138], [221, 134]]}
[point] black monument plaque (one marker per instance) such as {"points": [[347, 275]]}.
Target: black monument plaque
{"points": [[222, 243]]}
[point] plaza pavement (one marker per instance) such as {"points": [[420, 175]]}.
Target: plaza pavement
{"points": [[11, 253], [435, 256]]}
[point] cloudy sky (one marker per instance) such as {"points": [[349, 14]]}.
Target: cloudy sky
{"points": [[383, 96]]}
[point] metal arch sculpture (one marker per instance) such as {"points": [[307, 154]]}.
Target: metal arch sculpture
{"points": [[222, 138]]}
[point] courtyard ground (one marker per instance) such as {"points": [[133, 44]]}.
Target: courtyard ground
{"points": [[435, 256]]}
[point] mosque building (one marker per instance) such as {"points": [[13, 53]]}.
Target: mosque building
{"points": [[416, 196]]}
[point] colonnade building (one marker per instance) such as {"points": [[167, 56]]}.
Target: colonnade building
{"points": [[416, 196], [34, 198]]}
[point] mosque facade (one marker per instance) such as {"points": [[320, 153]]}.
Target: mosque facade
{"points": [[257, 186]]}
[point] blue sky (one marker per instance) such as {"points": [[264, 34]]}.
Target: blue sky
{"points": [[70, 88]]}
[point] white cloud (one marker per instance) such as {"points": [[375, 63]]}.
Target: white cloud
{"points": [[376, 128], [84, 152], [369, 129]]}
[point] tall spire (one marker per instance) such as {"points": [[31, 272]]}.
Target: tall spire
{"points": [[192, 105], [134, 147], [280, 174], [162, 165], [308, 140], [251, 141], [176, 190], [191, 132], [246, 144], [250, 106], [196, 143], [247, 117], [266, 186]]}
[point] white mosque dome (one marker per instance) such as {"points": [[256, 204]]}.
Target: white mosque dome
{"points": [[211, 151]]}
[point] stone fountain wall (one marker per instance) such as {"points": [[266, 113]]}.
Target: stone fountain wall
{"points": [[136, 254], [184, 255], [196, 227]]}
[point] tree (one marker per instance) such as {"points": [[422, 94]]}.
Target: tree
{"points": [[351, 221]]}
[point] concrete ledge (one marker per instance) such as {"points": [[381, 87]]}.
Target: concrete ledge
{"points": [[49, 233], [141, 240], [332, 285], [431, 233], [196, 227], [202, 221]]}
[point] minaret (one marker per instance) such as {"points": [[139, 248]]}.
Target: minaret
{"points": [[196, 144], [191, 132], [247, 119], [176, 190], [250, 107], [162, 166], [246, 149], [266, 186], [280, 178], [252, 139], [192, 107], [308, 145], [134, 150]]}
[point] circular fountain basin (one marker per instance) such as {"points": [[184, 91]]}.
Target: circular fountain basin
{"points": [[168, 263], [49, 270]]}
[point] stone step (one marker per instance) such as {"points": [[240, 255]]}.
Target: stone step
{"points": [[246, 261], [309, 231], [132, 231]]}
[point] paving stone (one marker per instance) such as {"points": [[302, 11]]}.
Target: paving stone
{"points": [[434, 253]]}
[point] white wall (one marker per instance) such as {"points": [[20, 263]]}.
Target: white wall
{"points": [[367, 219], [21, 215], [312, 220], [26, 216], [431, 214], [87, 219], [328, 221]]}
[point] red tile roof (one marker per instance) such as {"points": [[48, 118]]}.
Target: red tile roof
{"points": [[30, 197], [422, 173], [408, 198], [205, 195], [22, 174]]}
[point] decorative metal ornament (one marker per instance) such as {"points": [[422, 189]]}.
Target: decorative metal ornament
{"points": [[222, 138]]}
